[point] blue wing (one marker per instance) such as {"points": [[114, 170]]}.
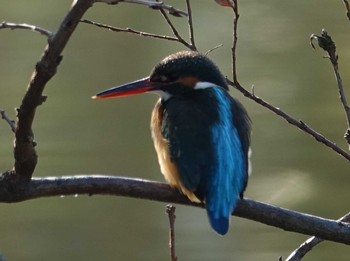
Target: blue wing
{"points": [[209, 147], [230, 174]]}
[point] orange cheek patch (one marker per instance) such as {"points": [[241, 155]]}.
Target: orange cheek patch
{"points": [[190, 81]]}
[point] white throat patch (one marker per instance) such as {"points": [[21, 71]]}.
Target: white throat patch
{"points": [[204, 85], [163, 95]]}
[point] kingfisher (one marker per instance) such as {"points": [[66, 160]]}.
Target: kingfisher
{"points": [[200, 133]]}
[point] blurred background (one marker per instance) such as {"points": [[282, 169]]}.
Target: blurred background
{"points": [[77, 135]]}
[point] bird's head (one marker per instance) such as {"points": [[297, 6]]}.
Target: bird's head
{"points": [[177, 74]]}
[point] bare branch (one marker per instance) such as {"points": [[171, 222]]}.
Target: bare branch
{"points": [[190, 25], [347, 7], [213, 49], [24, 151], [10, 122], [234, 6], [298, 123], [159, 5], [12, 26], [151, 4], [129, 30], [326, 43], [304, 248], [151, 190], [175, 32], [170, 210], [307, 246]]}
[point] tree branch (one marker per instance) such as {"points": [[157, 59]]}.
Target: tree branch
{"points": [[12, 26], [151, 4], [190, 25], [24, 151], [326, 43], [157, 191], [307, 246], [176, 33], [130, 30], [298, 123], [26, 158], [170, 210], [347, 7], [234, 6], [10, 122]]}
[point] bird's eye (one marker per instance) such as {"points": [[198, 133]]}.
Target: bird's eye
{"points": [[160, 78], [163, 78]]}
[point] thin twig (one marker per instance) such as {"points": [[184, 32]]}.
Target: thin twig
{"points": [[298, 123], [151, 4], [170, 210], [12, 26], [213, 49], [234, 40], [326, 43], [190, 25], [144, 189], [129, 30], [234, 5], [10, 122], [347, 7], [307, 246], [175, 32]]}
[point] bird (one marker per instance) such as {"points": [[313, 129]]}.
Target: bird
{"points": [[201, 134]]}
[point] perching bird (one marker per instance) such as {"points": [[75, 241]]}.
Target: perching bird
{"points": [[200, 133]]}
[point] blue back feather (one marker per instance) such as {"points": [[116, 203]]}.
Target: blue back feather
{"points": [[228, 178]]}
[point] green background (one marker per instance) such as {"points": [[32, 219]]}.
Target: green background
{"points": [[77, 135]]}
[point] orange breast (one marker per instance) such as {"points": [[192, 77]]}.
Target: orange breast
{"points": [[167, 167]]}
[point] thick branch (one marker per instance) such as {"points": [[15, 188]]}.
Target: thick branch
{"points": [[24, 151], [151, 190], [307, 246]]}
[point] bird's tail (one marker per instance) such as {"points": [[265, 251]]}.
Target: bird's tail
{"points": [[219, 213], [221, 201], [219, 224]]}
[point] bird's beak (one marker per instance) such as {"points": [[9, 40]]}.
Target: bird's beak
{"points": [[139, 86]]}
